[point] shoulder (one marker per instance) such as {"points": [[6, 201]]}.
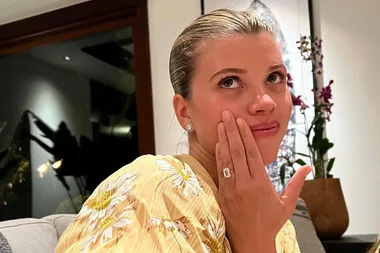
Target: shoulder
{"points": [[148, 164], [148, 179], [138, 206], [154, 169], [144, 168]]}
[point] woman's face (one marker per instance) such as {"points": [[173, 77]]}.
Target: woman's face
{"points": [[246, 76]]}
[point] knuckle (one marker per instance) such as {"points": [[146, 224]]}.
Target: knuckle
{"points": [[229, 128], [237, 151], [226, 163], [252, 152], [244, 134], [242, 190]]}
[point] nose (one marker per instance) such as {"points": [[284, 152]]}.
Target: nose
{"points": [[262, 104]]}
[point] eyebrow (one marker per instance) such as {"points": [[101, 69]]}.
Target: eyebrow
{"points": [[229, 70], [243, 71], [277, 66]]}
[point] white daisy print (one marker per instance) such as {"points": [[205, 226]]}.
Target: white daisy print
{"points": [[111, 226], [184, 179], [106, 197]]}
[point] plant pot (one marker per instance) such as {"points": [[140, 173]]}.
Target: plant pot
{"points": [[325, 201]]}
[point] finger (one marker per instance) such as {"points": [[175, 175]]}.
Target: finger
{"points": [[254, 159], [219, 168], [236, 147], [294, 187], [225, 158]]}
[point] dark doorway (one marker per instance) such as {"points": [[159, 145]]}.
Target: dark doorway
{"points": [[75, 104]]}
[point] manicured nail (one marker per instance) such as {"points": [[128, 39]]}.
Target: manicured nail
{"points": [[226, 116]]}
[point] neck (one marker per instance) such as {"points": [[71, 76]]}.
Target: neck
{"points": [[206, 159]]}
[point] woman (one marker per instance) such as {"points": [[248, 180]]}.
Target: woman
{"points": [[231, 97]]}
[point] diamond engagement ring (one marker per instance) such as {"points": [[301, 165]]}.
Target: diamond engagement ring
{"points": [[227, 172]]}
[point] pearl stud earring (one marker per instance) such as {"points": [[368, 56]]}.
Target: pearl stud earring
{"points": [[189, 128]]}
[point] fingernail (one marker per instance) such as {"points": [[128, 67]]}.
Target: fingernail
{"points": [[309, 170], [239, 122], [220, 125], [226, 116]]}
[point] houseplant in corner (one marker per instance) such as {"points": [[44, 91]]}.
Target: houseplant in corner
{"points": [[323, 194]]}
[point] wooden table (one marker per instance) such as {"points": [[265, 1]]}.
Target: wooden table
{"points": [[350, 244]]}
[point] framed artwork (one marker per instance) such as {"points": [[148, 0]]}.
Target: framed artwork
{"points": [[289, 19]]}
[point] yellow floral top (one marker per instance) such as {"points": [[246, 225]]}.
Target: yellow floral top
{"points": [[156, 204]]}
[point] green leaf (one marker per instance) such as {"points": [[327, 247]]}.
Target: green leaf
{"points": [[302, 154], [282, 173], [330, 165], [292, 172], [329, 175], [325, 146], [320, 124], [300, 162], [316, 118], [315, 143], [317, 139]]}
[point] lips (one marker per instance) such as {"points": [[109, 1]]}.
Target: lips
{"points": [[265, 129]]}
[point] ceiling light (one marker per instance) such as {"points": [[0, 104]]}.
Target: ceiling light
{"points": [[67, 58], [57, 164]]}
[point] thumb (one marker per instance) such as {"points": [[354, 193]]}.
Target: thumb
{"points": [[293, 189]]}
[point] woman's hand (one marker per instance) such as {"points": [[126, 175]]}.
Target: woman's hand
{"points": [[253, 210]]}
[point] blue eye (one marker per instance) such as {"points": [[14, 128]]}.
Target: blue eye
{"points": [[229, 82]]}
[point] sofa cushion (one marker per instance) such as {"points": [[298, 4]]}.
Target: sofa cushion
{"points": [[306, 235], [30, 235], [60, 222], [4, 245]]}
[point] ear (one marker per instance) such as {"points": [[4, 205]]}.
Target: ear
{"points": [[181, 107]]}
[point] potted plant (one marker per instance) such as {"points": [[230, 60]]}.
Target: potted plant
{"points": [[323, 194]]}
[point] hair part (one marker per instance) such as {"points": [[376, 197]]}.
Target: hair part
{"points": [[218, 24]]}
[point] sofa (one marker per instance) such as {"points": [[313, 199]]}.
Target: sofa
{"points": [[31, 235]]}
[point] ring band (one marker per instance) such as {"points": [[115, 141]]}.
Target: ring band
{"points": [[227, 172]]}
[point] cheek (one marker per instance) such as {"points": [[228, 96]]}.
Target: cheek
{"points": [[289, 104], [285, 106], [205, 120], [207, 117]]}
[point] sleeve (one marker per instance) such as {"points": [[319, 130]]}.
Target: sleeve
{"points": [[149, 205], [286, 241]]}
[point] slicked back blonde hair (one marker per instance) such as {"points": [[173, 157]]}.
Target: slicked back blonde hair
{"points": [[218, 24]]}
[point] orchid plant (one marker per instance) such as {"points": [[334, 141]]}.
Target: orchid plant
{"points": [[317, 143]]}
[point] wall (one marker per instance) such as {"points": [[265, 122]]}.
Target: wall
{"points": [[52, 94], [20, 9], [350, 47], [167, 18]]}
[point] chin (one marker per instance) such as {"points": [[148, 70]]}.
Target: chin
{"points": [[269, 160], [269, 153]]}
